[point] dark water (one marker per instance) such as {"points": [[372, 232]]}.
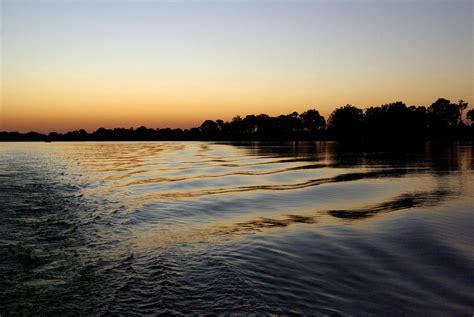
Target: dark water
{"points": [[306, 228]]}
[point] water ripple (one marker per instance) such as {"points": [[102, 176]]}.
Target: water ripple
{"points": [[178, 228]]}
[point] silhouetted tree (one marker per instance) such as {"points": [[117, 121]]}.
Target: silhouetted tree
{"points": [[209, 128], [394, 121], [220, 125], [470, 115], [312, 121], [345, 122], [462, 105], [444, 113]]}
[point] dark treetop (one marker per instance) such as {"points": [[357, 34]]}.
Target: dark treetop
{"points": [[394, 122]]}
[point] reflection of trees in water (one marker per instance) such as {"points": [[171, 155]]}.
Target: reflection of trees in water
{"points": [[404, 201], [311, 150], [438, 157]]}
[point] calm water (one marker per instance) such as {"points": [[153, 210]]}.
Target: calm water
{"points": [[195, 227]]}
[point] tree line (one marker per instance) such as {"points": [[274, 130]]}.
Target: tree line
{"points": [[388, 122]]}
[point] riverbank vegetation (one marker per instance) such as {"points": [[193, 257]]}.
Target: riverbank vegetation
{"points": [[442, 120]]}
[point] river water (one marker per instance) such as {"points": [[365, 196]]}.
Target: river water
{"points": [[235, 228]]}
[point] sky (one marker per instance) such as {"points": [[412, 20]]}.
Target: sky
{"points": [[67, 65]]}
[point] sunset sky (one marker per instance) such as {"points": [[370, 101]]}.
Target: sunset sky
{"points": [[67, 65]]}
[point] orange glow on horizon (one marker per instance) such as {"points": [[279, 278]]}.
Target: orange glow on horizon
{"points": [[88, 65]]}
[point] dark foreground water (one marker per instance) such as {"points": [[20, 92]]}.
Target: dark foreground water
{"points": [[191, 227]]}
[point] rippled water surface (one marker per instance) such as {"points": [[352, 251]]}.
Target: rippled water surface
{"points": [[195, 227]]}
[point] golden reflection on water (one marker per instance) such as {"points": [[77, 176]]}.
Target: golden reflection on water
{"points": [[332, 185], [137, 223], [254, 223]]}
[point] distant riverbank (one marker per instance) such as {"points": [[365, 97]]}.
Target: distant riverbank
{"points": [[394, 122]]}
